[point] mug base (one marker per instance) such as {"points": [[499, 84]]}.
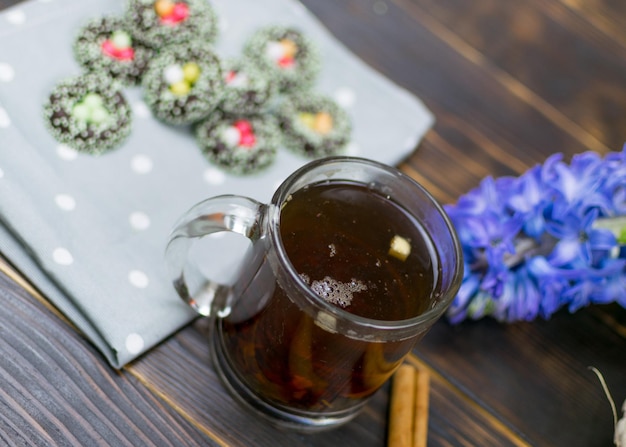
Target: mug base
{"points": [[282, 418]]}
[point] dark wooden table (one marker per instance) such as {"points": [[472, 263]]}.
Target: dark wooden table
{"points": [[510, 83]]}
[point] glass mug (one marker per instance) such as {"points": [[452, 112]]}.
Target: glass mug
{"points": [[349, 266]]}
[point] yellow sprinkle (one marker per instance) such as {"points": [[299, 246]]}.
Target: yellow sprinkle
{"points": [[180, 88], [191, 72], [323, 123], [163, 7], [308, 119], [289, 48]]}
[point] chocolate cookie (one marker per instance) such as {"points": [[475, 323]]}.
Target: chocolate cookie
{"points": [[88, 113], [184, 83]]}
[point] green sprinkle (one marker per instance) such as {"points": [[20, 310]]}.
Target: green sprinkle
{"points": [[121, 39], [93, 101], [99, 115], [81, 112]]}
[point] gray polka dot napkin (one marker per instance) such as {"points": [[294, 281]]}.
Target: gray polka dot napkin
{"points": [[90, 231]]}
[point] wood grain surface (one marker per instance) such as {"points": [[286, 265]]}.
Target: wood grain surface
{"points": [[510, 83]]}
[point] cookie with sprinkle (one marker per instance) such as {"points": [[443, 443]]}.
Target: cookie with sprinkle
{"points": [[89, 113]]}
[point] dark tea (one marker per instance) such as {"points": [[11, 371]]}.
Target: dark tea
{"points": [[357, 250]]}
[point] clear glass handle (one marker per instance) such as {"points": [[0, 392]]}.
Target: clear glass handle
{"points": [[222, 213]]}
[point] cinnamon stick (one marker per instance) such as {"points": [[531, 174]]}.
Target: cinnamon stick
{"points": [[422, 387], [401, 407], [408, 408]]}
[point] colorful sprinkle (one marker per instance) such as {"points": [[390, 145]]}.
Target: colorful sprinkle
{"points": [[191, 72], [119, 46], [91, 110], [89, 113], [320, 122], [173, 74], [180, 88], [171, 13], [181, 79], [164, 8], [121, 39], [166, 22], [285, 55], [240, 146]]}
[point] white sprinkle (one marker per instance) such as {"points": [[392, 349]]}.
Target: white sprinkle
{"points": [[231, 136], [214, 176], [345, 97], [141, 164], [66, 153], [7, 73], [134, 343], [173, 74], [65, 202], [139, 220], [5, 121], [62, 257], [138, 279], [274, 51], [16, 17]]}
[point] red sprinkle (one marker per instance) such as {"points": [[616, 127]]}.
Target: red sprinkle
{"points": [[243, 126], [179, 14], [230, 76], [247, 139], [125, 54], [286, 62]]}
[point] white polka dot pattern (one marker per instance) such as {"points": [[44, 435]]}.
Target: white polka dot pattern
{"points": [[345, 97], [141, 110], [139, 220], [214, 176], [141, 164], [5, 121], [134, 343], [62, 256], [138, 279], [17, 17], [7, 72], [65, 202], [66, 153]]}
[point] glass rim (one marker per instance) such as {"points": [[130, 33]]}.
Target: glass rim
{"points": [[280, 197]]}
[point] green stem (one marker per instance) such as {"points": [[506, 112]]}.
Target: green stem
{"points": [[616, 225]]}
